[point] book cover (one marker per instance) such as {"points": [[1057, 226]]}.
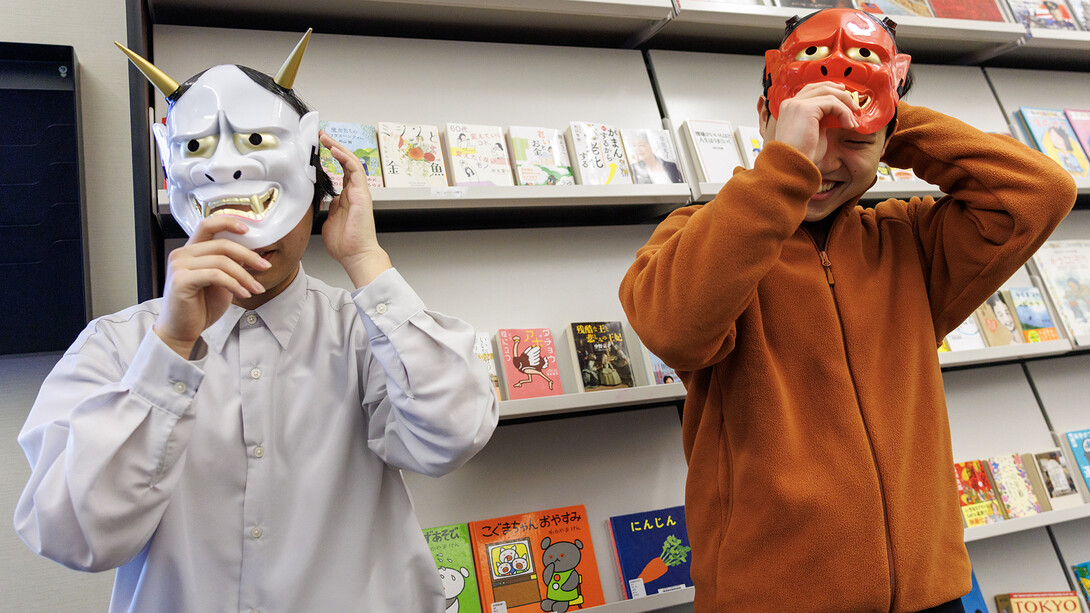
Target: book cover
{"points": [[713, 148], [816, 4], [1064, 267], [885, 173], [453, 553], [749, 143], [1029, 306], [979, 503], [1056, 479], [528, 356], [1024, 602], [1080, 125], [995, 333], [918, 8], [358, 138], [599, 351], [1045, 14], [974, 602], [540, 156], [1050, 132], [658, 373], [1080, 10], [411, 155], [1006, 315], [598, 155], [651, 155], [537, 561], [903, 174], [1082, 574], [482, 347], [1013, 485], [966, 336], [652, 551], [978, 10], [478, 155], [1080, 451]]}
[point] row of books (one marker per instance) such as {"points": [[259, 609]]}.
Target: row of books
{"points": [[1061, 134], [545, 560], [1013, 486], [523, 362], [1024, 602]]}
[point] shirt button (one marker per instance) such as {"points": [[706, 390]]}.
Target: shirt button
{"points": [[259, 452], [380, 308], [179, 387], [255, 373], [255, 532], [251, 319]]}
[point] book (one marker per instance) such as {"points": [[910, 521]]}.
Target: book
{"points": [[966, 336], [482, 347], [749, 143], [1013, 486], [358, 138], [1079, 441], [919, 8], [1080, 125], [658, 373], [1049, 131], [885, 173], [528, 356], [1048, 15], [651, 155], [412, 155], [977, 497], [652, 551], [600, 354], [540, 156], [995, 333], [453, 553], [1080, 10], [714, 150], [478, 155], [903, 174], [1025, 602], [598, 155], [1056, 481], [537, 561], [978, 10], [1029, 306], [1064, 267], [814, 4], [1082, 575], [974, 602]]}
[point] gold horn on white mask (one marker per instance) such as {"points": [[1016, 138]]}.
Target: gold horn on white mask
{"points": [[158, 78], [286, 77]]}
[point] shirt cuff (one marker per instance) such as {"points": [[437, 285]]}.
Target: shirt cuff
{"points": [[386, 303], [162, 377]]}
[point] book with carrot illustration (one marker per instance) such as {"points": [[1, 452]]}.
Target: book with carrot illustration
{"points": [[652, 551]]}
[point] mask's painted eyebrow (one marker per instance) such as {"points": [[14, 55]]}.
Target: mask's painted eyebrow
{"points": [[196, 130]]}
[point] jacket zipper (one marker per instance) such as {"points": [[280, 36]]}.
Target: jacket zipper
{"points": [[827, 266]]}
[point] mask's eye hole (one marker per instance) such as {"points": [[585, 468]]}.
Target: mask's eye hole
{"points": [[862, 54], [812, 53], [255, 141], [200, 147]]}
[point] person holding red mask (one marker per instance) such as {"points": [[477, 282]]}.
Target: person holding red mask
{"points": [[805, 329]]}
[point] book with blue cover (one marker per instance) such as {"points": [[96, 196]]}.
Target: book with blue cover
{"points": [[652, 551], [1080, 451], [974, 602]]}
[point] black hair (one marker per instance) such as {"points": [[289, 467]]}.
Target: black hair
{"points": [[323, 186]]}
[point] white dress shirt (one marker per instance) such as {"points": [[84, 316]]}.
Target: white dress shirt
{"points": [[264, 476]]}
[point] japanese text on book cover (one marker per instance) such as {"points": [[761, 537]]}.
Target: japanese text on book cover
{"points": [[529, 363], [453, 552], [652, 551]]}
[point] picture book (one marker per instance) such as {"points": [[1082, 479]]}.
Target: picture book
{"points": [[715, 153], [1080, 125], [1064, 267], [1082, 574], [749, 143], [537, 561], [1029, 462], [1049, 131], [597, 154], [1080, 10], [658, 373], [478, 155], [1044, 14], [885, 173], [528, 356], [814, 4], [540, 156], [1029, 307], [651, 155], [1079, 440], [996, 334], [1056, 479], [599, 350], [1023, 602], [360, 139], [974, 602], [453, 553], [411, 155], [482, 346], [977, 10], [979, 503], [652, 551], [919, 8], [1013, 485], [903, 174], [966, 336]]}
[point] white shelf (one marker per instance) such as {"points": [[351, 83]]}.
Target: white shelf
{"points": [[654, 602], [591, 401], [704, 192], [1010, 526], [1006, 352]]}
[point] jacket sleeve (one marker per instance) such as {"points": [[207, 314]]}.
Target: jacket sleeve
{"points": [[429, 399], [1003, 201], [700, 268], [105, 440]]}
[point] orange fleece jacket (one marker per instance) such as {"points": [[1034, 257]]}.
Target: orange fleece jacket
{"points": [[820, 473]]}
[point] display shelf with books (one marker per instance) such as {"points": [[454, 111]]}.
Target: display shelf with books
{"points": [[590, 402], [1010, 526], [1004, 353]]}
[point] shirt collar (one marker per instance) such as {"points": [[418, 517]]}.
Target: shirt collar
{"points": [[280, 315]]}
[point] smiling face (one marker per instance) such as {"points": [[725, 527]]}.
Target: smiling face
{"points": [[843, 46], [232, 147]]}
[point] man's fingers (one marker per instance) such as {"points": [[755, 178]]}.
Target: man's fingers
{"points": [[221, 246], [222, 263], [212, 277], [211, 226]]}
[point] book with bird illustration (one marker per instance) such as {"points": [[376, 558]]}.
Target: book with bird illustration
{"points": [[528, 356]]}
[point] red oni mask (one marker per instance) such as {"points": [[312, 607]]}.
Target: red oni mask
{"points": [[843, 46]]}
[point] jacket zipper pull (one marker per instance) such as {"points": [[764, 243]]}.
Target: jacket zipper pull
{"points": [[828, 267]]}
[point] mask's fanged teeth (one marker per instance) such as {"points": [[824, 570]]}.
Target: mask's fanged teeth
{"points": [[256, 205]]}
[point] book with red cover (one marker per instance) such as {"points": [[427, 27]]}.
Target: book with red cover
{"points": [[978, 10], [528, 356], [979, 503]]}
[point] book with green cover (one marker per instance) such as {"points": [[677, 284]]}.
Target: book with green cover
{"points": [[453, 553]]}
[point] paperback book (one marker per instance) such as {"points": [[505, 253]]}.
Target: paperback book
{"points": [[1049, 131], [658, 373], [1052, 15], [528, 356], [977, 10], [918, 8], [482, 346], [1064, 267], [714, 150], [813, 4], [411, 155], [1056, 479], [651, 155], [652, 551], [540, 156], [885, 173], [598, 154], [1082, 574], [966, 336], [537, 561], [1025, 602], [1079, 440], [1029, 307], [1080, 10], [1013, 485], [599, 350], [1080, 125], [996, 332], [478, 155], [453, 553], [360, 139], [979, 503], [749, 143]]}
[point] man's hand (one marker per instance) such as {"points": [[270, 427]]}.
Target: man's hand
{"points": [[349, 231], [799, 124], [202, 278]]}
